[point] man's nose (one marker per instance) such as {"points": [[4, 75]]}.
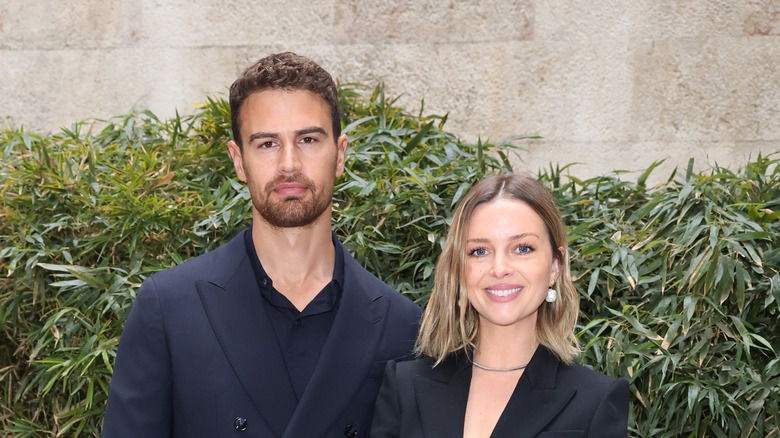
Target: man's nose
{"points": [[290, 160]]}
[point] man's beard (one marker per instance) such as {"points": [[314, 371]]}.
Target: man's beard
{"points": [[293, 212]]}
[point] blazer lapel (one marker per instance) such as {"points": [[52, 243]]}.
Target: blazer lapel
{"points": [[536, 399], [236, 312], [346, 357], [442, 397]]}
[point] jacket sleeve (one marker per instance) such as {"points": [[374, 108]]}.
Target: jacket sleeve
{"points": [[611, 417], [387, 411], [140, 392]]}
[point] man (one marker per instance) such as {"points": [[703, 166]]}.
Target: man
{"points": [[278, 333]]}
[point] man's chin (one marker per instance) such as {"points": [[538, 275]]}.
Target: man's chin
{"points": [[289, 223], [286, 217]]}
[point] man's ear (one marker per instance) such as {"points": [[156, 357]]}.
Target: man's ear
{"points": [[238, 161], [341, 151]]}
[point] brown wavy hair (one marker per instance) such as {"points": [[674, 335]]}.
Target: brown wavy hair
{"points": [[284, 71]]}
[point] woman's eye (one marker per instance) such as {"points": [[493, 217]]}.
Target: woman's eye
{"points": [[478, 252], [524, 249]]}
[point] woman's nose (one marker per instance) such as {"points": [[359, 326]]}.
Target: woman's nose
{"points": [[500, 268]]}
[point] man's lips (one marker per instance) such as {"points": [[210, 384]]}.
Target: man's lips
{"points": [[290, 189]]}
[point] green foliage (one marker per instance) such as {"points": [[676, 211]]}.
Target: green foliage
{"points": [[681, 294], [86, 215], [404, 178], [679, 283], [89, 212]]}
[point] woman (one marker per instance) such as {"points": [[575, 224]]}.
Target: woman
{"points": [[497, 343]]}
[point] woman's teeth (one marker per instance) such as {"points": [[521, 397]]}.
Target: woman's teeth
{"points": [[503, 292]]}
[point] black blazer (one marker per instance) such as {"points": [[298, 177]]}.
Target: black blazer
{"points": [[199, 358], [550, 400]]}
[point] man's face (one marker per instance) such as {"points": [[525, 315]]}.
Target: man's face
{"points": [[290, 159]]}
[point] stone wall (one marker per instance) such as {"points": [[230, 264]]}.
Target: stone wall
{"points": [[609, 84]]}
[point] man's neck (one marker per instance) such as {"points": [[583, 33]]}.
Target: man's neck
{"points": [[299, 260]]}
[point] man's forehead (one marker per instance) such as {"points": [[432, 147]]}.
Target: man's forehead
{"points": [[276, 110]]}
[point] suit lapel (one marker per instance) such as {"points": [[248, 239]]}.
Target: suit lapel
{"points": [[346, 357], [442, 397], [536, 399], [236, 312]]}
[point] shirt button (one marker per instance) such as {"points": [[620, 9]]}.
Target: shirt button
{"points": [[297, 322], [350, 431], [240, 424], [265, 282]]}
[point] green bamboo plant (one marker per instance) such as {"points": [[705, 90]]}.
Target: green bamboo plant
{"points": [[679, 282], [681, 294]]}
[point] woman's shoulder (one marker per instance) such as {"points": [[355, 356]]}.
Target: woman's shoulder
{"points": [[427, 367], [421, 365], [585, 378]]}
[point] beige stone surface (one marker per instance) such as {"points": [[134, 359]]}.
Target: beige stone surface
{"points": [[629, 160], [693, 89], [610, 85], [415, 21]]}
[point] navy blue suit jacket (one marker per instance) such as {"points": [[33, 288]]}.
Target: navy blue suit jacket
{"points": [[199, 358], [550, 400]]}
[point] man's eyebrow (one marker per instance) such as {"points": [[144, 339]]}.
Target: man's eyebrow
{"points": [[299, 132], [262, 134], [311, 130]]}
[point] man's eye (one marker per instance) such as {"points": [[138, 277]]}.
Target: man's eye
{"points": [[308, 140], [266, 145]]}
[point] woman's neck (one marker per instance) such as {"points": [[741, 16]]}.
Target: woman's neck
{"points": [[504, 347]]}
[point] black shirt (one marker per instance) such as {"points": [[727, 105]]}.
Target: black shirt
{"points": [[301, 334]]}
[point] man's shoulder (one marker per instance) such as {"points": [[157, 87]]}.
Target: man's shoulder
{"points": [[373, 285], [205, 266]]}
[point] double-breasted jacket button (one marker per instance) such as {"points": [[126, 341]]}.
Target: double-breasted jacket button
{"points": [[350, 431], [240, 424]]}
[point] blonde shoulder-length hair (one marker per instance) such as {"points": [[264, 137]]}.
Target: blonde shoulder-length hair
{"points": [[450, 323]]}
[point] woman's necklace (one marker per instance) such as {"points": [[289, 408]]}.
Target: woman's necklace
{"points": [[519, 367]]}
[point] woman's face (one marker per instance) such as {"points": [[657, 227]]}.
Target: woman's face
{"points": [[509, 264]]}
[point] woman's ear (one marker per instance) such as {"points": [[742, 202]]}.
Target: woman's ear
{"points": [[555, 269]]}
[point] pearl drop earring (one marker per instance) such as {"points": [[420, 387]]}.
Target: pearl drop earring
{"points": [[552, 294]]}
